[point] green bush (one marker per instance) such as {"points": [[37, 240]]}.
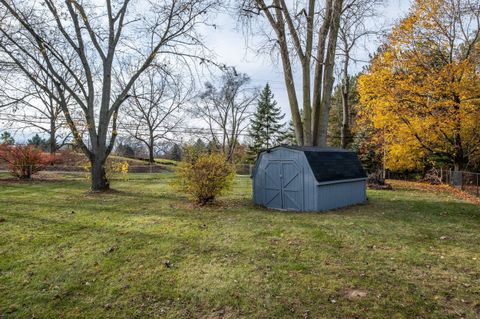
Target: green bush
{"points": [[205, 177]]}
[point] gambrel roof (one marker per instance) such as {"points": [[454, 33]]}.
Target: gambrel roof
{"points": [[330, 164]]}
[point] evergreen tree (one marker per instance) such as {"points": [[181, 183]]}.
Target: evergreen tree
{"points": [[175, 152], [6, 138], [267, 129], [124, 149], [200, 146], [289, 137], [38, 142]]}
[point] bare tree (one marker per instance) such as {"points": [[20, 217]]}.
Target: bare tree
{"points": [[225, 108], [305, 33], [154, 110], [356, 24], [97, 44], [27, 106]]}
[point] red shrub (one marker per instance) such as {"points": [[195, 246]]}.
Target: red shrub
{"points": [[24, 160]]}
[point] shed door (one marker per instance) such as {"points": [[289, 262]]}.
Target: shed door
{"points": [[273, 185], [283, 185]]}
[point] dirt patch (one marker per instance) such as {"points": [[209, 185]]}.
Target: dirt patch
{"points": [[224, 313], [354, 294]]}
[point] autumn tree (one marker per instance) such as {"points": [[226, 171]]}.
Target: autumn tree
{"points": [[304, 34], [104, 47], [422, 90]]}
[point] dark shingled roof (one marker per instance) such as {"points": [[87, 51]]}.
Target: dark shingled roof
{"points": [[331, 164]]}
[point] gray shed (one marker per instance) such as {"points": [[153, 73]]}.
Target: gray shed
{"points": [[308, 179]]}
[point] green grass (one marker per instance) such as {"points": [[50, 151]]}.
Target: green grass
{"points": [[145, 252]]}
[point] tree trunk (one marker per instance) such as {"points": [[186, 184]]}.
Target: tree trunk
{"points": [[99, 176], [345, 132], [459, 164], [291, 93], [151, 157], [307, 109], [53, 138], [458, 145], [328, 77]]}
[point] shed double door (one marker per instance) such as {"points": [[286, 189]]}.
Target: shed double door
{"points": [[284, 185]]}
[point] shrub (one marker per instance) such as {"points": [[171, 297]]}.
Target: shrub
{"points": [[205, 177], [25, 160]]}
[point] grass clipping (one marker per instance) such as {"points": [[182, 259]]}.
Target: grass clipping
{"points": [[205, 177]]}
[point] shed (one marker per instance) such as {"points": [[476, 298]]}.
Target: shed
{"points": [[308, 178]]}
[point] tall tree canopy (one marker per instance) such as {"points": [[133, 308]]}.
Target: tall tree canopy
{"points": [[304, 34], [422, 91]]}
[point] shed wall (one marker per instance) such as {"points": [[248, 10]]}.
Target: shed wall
{"points": [[338, 195]]}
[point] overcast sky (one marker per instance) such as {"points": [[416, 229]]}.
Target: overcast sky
{"points": [[229, 45]]}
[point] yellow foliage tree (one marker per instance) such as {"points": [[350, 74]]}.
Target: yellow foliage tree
{"points": [[422, 90]]}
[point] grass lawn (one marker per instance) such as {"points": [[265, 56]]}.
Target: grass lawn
{"points": [[145, 251]]}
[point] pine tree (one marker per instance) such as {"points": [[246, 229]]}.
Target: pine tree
{"points": [[38, 142], [267, 129], [6, 138], [175, 153], [289, 137]]}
